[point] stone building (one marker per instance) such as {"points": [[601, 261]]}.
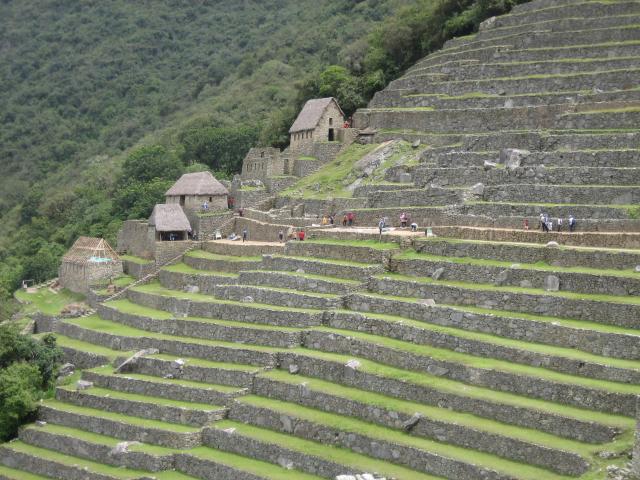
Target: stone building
{"points": [[192, 190], [169, 222], [263, 162], [89, 261], [320, 120]]}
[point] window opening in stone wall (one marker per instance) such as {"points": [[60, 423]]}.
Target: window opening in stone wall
{"points": [[330, 121], [182, 200]]}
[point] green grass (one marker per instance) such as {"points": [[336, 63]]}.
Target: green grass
{"points": [[226, 258], [108, 371], [309, 276], [487, 363], [200, 362], [19, 474], [330, 261], [460, 389], [390, 404], [133, 259], [352, 460], [605, 110], [46, 301], [293, 291], [372, 244], [351, 425], [183, 268], [619, 299], [250, 465], [332, 179], [128, 306], [134, 397], [539, 266], [79, 345]]}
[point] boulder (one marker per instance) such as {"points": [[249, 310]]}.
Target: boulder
{"points": [[502, 277], [638, 268], [551, 283], [83, 385], [134, 358], [247, 299], [353, 364], [477, 189], [66, 370], [488, 24], [416, 144], [294, 369], [552, 244], [428, 302], [404, 178], [489, 165], [438, 273], [192, 289], [74, 310], [122, 447], [412, 422], [512, 157]]}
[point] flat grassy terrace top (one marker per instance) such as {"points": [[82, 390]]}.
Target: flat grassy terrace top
{"points": [[47, 301], [372, 244], [227, 258]]}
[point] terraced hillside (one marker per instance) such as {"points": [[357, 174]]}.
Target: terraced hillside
{"points": [[482, 353]]}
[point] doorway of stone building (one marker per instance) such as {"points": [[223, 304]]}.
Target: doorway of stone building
{"points": [[331, 135]]}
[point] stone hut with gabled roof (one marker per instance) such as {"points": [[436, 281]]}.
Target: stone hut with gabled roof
{"points": [[193, 190], [169, 222], [318, 121], [89, 261]]}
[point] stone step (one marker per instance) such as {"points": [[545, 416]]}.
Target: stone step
{"points": [[198, 305], [531, 253], [155, 408], [96, 447], [435, 423], [561, 420], [322, 459], [378, 442], [533, 382], [330, 268], [612, 240], [121, 426], [214, 262], [564, 359], [281, 297], [170, 388], [118, 336], [210, 464], [333, 248], [572, 23], [600, 340], [567, 194], [160, 321], [396, 99], [305, 282], [197, 370], [589, 281], [621, 311], [586, 158], [41, 461], [7, 473], [180, 276], [507, 54]]}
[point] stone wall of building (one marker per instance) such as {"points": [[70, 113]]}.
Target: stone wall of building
{"points": [[263, 162], [166, 251], [305, 166], [195, 202], [78, 277], [136, 238]]}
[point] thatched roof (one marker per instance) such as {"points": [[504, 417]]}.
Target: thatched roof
{"points": [[169, 218], [199, 183], [311, 113], [90, 250]]}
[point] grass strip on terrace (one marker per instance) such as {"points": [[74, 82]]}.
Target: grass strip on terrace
{"points": [[76, 462], [439, 414], [376, 432], [343, 456], [183, 268], [201, 362], [539, 266], [487, 363], [125, 306], [292, 291], [134, 259], [328, 261], [157, 289], [217, 256], [250, 465], [457, 388], [47, 301], [372, 244], [136, 397], [563, 352], [97, 324], [565, 322], [309, 276], [108, 371], [13, 474], [82, 346], [619, 299]]}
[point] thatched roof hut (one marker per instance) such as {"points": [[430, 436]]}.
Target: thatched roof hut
{"points": [[169, 222], [89, 261], [312, 112], [193, 190]]}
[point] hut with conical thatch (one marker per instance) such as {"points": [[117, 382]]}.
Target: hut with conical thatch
{"points": [[193, 191], [169, 222], [88, 262]]}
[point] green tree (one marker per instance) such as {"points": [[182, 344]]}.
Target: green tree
{"points": [[19, 395]]}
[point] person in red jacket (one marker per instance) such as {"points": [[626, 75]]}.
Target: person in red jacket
{"points": [[301, 235]]}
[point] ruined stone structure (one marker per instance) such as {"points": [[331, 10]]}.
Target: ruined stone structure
{"points": [[89, 261], [479, 349]]}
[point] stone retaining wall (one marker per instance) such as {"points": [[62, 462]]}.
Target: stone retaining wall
{"points": [[205, 283], [414, 197], [352, 272], [213, 265], [296, 282], [279, 298], [338, 252], [238, 249], [210, 469]]}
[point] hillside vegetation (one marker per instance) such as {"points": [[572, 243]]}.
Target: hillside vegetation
{"points": [[105, 103]]}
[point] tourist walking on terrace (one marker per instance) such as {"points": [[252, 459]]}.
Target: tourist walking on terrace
{"points": [[245, 234], [331, 220], [381, 227], [281, 236], [414, 227], [526, 224], [403, 220], [350, 219], [301, 235], [560, 221], [572, 223], [344, 221], [541, 222]]}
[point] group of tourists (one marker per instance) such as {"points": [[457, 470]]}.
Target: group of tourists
{"points": [[327, 220], [349, 219], [545, 223]]}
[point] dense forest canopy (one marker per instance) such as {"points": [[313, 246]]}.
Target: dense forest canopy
{"points": [[104, 104]]}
